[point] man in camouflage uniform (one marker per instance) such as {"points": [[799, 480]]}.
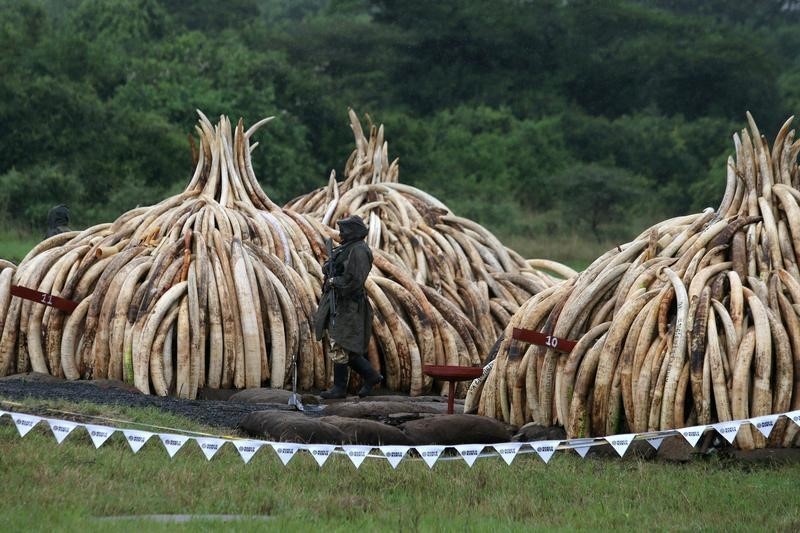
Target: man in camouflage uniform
{"points": [[347, 330]]}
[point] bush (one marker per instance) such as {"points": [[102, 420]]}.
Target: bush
{"points": [[26, 197], [602, 200]]}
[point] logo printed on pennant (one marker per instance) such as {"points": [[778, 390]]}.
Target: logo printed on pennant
{"points": [[248, 448], [136, 439], [430, 454], [507, 450], [209, 446], [99, 434], [357, 454], [655, 442], [25, 423], [394, 454], [794, 416], [728, 430], [285, 450], [545, 448], [620, 443], [173, 442], [692, 434], [61, 428], [764, 424], [469, 452], [320, 452]]}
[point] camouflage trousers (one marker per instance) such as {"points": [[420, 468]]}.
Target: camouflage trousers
{"points": [[336, 352]]}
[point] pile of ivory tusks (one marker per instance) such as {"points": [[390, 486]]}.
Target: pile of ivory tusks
{"points": [[693, 322], [453, 258], [216, 287]]}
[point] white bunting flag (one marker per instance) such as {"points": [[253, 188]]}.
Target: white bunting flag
{"points": [[356, 453], [285, 450], [764, 423], [173, 442], [25, 423], [507, 450], [582, 450], [430, 454], [394, 454], [620, 443], [545, 448], [581, 446], [248, 448], [794, 416], [209, 446], [469, 452], [320, 452], [692, 434], [99, 434], [61, 428], [136, 439], [655, 442], [2, 413], [728, 430]]}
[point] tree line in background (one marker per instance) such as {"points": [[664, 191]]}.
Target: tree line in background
{"points": [[533, 117]]}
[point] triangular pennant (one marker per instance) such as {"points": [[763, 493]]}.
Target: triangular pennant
{"points": [[655, 442], [469, 452], [394, 454], [285, 450], [765, 423], [248, 448], [581, 446], [582, 450], [692, 434], [545, 448], [99, 434], [210, 446], [507, 450], [173, 442], [25, 423], [136, 439], [728, 430], [357, 454], [61, 428], [794, 416], [320, 452], [620, 443], [430, 454]]}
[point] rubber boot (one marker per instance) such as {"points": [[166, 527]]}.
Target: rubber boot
{"points": [[339, 390], [360, 364]]}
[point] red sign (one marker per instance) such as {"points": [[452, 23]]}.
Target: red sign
{"points": [[44, 298], [540, 339]]}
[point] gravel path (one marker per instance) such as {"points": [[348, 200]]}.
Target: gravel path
{"points": [[210, 412]]}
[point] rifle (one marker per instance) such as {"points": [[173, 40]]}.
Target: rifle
{"points": [[328, 276]]}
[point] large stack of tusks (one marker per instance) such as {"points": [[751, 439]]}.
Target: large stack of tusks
{"points": [[454, 259], [216, 287], [213, 287], [693, 322]]}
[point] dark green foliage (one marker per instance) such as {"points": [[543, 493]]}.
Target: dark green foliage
{"points": [[543, 116], [596, 198], [25, 196]]}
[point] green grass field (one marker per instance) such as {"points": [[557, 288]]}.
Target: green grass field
{"points": [[15, 244], [74, 486]]}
